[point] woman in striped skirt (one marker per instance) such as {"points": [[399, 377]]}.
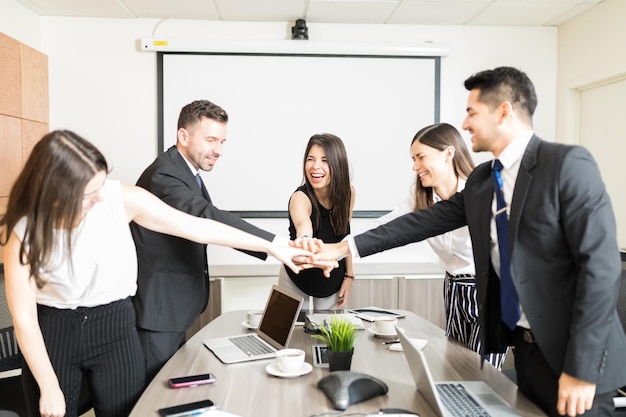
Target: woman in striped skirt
{"points": [[442, 163]]}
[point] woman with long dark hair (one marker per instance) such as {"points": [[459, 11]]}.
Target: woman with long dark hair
{"points": [[71, 270], [322, 208], [442, 163]]}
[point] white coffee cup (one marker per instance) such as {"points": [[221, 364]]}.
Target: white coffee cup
{"points": [[254, 317], [386, 325], [290, 361]]}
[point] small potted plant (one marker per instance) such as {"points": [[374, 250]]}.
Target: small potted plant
{"points": [[338, 335]]}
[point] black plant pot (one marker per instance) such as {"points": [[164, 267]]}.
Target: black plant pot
{"points": [[339, 361]]}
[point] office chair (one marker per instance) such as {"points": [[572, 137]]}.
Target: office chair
{"points": [[10, 361]]}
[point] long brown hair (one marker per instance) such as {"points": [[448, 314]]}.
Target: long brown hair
{"points": [[48, 193], [440, 136], [339, 188]]}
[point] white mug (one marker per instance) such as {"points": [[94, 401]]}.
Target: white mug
{"points": [[254, 317], [290, 360], [386, 325]]}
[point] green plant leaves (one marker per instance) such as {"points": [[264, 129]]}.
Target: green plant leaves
{"points": [[339, 336]]}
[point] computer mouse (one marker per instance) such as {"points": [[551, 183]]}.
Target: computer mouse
{"points": [[344, 388]]}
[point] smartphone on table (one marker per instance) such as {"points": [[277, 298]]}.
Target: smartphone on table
{"points": [[189, 409], [191, 380]]}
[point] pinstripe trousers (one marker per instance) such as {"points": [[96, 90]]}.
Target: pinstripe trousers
{"points": [[97, 343], [459, 294]]}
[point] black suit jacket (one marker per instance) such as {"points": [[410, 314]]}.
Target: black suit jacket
{"points": [[172, 281], [565, 261]]}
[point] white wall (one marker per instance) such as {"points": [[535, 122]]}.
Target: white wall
{"points": [[103, 86], [591, 49], [20, 23], [592, 63]]}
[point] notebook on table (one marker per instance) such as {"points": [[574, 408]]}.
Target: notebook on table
{"points": [[323, 319], [453, 398], [274, 332]]}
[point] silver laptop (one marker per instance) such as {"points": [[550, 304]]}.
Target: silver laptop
{"points": [[274, 333], [453, 398]]}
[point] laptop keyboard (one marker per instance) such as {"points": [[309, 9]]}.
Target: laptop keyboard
{"points": [[250, 345], [459, 402]]}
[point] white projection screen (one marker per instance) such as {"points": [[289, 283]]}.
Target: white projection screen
{"points": [[276, 102]]}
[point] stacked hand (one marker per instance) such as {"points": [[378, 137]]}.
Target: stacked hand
{"points": [[331, 251], [313, 246]]}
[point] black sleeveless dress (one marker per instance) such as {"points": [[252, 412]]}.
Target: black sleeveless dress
{"points": [[312, 281]]}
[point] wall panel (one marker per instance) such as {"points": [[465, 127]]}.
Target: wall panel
{"points": [[10, 77], [34, 85], [24, 109], [10, 152]]}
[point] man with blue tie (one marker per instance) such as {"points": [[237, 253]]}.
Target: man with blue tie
{"points": [[544, 238], [173, 281]]}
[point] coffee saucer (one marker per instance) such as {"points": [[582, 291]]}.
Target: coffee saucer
{"points": [[372, 329], [273, 369], [247, 325]]}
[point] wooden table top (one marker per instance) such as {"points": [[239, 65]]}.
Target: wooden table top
{"points": [[247, 390]]}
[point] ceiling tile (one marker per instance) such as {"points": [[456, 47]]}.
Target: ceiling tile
{"points": [[188, 9], [545, 2], [263, 11], [437, 12], [80, 8], [574, 11], [364, 11], [417, 12], [515, 14]]}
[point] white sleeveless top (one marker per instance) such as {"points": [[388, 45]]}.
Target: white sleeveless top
{"points": [[103, 266]]}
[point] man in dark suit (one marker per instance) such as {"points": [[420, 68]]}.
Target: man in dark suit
{"points": [[173, 281], [564, 259]]}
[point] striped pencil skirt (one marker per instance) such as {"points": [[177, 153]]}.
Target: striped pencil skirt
{"points": [[459, 294], [97, 343]]}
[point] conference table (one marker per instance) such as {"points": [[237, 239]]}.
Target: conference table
{"points": [[247, 390]]}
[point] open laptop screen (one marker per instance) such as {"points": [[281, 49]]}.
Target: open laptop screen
{"points": [[280, 314]]}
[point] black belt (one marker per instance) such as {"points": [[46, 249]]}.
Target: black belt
{"points": [[523, 334]]}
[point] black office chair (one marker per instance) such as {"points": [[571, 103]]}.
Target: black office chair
{"points": [[10, 360], [10, 357]]}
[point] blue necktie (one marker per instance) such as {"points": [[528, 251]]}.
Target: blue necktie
{"points": [[199, 180], [509, 304]]}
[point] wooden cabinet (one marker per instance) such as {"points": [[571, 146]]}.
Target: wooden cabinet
{"points": [[423, 295], [23, 108], [10, 154], [10, 77], [413, 287], [380, 291], [213, 309], [420, 294]]}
